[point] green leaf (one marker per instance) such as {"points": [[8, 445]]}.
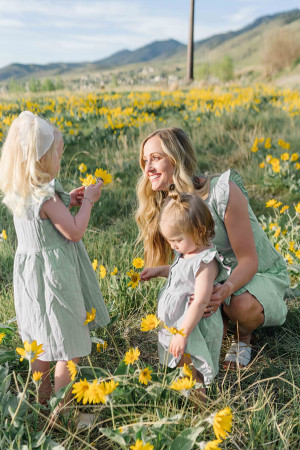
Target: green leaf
{"points": [[7, 355], [186, 440], [89, 373], [116, 436], [122, 369]]}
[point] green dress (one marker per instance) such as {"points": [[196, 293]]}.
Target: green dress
{"points": [[271, 281], [54, 285]]}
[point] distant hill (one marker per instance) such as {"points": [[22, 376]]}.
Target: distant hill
{"points": [[244, 46]]}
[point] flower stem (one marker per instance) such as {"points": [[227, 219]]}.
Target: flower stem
{"points": [[22, 397], [112, 415]]}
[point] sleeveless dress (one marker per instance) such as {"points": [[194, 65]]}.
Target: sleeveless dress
{"points": [[54, 285], [271, 281], [204, 342]]}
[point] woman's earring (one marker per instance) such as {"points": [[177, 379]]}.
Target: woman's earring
{"points": [[172, 187]]}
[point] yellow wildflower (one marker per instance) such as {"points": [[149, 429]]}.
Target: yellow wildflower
{"points": [[284, 145], [182, 384], [150, 322], [285, 156], [2, 336], [222, 423], [260, 140], [88, 180], [270, 203], [30, 351], [82, 168], [145, 375], [277, 246], [254, 148], [284, 208], [101, 346], [272, 225], [213, 445], [80, 390], [131, 356], [138, 263], [4, 235], [110, 386], [297, 253], [277, 204], [262, 165], [106, 177], [289, 258], [187, 370], [95, 264], [297, 208], [277, 232], [139, 445], [114, 272], [72, 369], [135, 278], [297, 166], [90, 316], [37, 376], [269, 158], [102, 271], [294, 157], [292, 246], [174, 330], [268, 143]]}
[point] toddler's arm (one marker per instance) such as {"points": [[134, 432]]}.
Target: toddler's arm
{"points": [[72, 227], [153, 272], [203, 289]]}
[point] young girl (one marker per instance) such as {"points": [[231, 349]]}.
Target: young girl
{"points": [[54, 282], [187, 225]]}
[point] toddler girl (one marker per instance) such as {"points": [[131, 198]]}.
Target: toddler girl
{"points": [[186, 223], [54, 282]]}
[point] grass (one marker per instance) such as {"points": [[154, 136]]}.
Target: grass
{"points": [[264, 397]]}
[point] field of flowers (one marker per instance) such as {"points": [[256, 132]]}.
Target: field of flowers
{"points": [[135, 402]]}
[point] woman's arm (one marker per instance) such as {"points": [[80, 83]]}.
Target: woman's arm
{"points": [[72, 227], [203, 290], [153, 272], [238, 227]]}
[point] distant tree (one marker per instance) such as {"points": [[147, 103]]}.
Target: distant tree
{"points": [[35, 85], [224, 69], [203, 72], [48, 85], [16, 86], [280, 51], [59, 83]]}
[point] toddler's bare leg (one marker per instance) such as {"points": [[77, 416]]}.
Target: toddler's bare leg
{"points": [[198, 396], [62, 378], [45, 389]]}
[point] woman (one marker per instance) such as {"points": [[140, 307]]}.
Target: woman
{"points": [[253, 294]]}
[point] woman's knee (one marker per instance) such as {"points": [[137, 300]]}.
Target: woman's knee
{"points": [[244, 308]]}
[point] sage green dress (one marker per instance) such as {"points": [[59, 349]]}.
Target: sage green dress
{"points": [[271, 281], [54, 285]]}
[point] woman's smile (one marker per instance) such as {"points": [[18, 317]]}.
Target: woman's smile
{"points": [[157, 165]]}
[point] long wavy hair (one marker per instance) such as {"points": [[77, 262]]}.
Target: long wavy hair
{"points": [[25, 181], [178, 147]]}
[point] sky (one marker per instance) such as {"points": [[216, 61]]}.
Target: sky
{"points": [[45, 31]]}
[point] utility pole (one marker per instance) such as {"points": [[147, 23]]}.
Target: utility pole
{"points": [[190, 49]]}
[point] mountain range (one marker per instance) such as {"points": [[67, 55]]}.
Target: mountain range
{"points": [[244, 47]]}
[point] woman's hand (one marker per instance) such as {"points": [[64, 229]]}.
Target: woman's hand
{"points": [[219, 294], [76, 196], [178, 344]]}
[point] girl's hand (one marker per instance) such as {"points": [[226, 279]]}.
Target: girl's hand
{"points": [[150, 272], [76, 196], [93, 191], [178, 344]]}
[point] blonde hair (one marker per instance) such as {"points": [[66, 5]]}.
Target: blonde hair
{"points": [[189, 214], [25, 181], [178, 147]]}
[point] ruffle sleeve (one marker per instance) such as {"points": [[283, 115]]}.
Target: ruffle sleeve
{"points": [[222, 190], [53, 188]]}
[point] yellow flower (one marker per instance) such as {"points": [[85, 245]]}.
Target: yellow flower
{"points": [[292, 246], [90, 316], [268, 143], [277, 232], [101, 346], [284, 145], [272, 225], [2, 336], [88, 180], [95, 264], [270, 203], [132, 355], [145, 375], [269, 158], [149, 323], [82, 168], [294, 157], [37, 376], [297, 166], [139, 445], [72, 369], [254, 148], [187, 370], [80, 390], [297, 208], [284, 208], [174, 330], [30, 351], [262, 165], [277, 204], [285, 156], [102, 271], [96, 392], [222, 423], [213, 445], [277, 246], [110, 386], [276, 168], [297, 253], [289, 258], [106, 177], [135, 278], [114, 272], [138, 263], [4, 235], [182, 384]]}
